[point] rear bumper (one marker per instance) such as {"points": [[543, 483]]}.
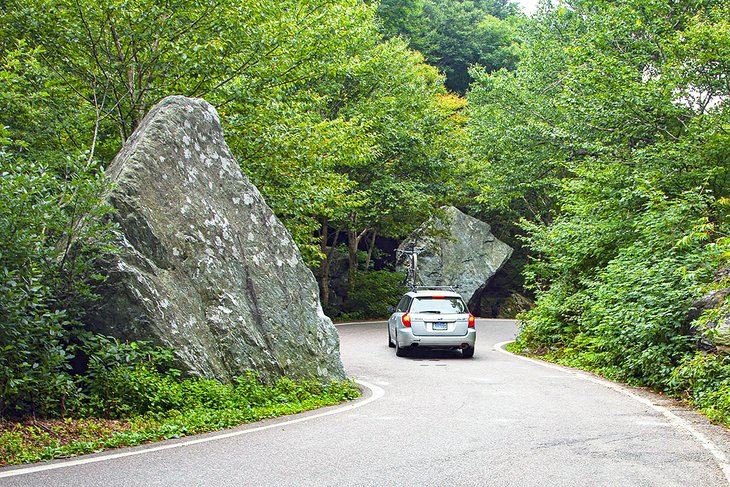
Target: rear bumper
{"points": [[406, 338]]}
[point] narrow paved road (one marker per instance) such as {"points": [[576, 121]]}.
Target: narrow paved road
{"points": [[494, 420]]}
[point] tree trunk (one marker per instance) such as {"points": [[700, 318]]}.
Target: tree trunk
{"points": [[324, 268], [353, 241], [371, 246], [352, 244]]}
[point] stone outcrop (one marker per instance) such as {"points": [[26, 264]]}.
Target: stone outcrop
{"points": [[714, 332], [205, 267], [458, 250], [515, 304]]}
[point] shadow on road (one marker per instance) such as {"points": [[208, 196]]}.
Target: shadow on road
{"points": [[429, 354]]}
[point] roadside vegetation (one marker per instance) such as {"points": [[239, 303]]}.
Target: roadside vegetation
{"points": [[609, 144], [132, 395], [189, 407]]}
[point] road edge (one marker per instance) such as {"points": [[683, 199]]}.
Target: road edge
{"points": [[717, 454], [373, 394]]}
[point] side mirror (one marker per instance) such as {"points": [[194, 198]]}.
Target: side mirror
{"points": [[390, 309]]}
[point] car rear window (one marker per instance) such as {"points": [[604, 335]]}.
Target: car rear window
{"points": [[438, 305]]}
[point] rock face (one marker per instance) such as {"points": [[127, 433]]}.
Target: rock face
{"points": [[714, 333], [466, 257], [516, 303], [206, 269]]}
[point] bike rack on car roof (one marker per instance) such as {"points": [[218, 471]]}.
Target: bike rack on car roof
{"points": [[411, 267]]}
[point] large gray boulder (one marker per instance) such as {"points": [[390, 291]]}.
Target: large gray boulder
{"points": [[458, 250], [205, 267]]}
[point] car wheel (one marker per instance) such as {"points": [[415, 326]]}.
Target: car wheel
{"points": [[390, 339], [467, 352], [400, 352]]}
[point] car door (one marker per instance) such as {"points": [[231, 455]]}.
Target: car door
{"points": [[397, 315]]}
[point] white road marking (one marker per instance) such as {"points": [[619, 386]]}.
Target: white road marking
{"points": [[376, 391], [679, 423]]}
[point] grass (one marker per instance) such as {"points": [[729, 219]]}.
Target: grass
{"points": [[34, 440]]}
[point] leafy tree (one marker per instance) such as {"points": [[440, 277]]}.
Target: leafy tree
{"points": [[610, 140], [455, 34], [120, 58], [50, 233], [351, 152]]}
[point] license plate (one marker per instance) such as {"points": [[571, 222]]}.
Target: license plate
{"points": [[440, 326]]}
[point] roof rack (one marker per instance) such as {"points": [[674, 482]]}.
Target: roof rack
{"points": [[434, 288]]}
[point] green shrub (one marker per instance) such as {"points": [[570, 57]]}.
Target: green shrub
{"points": [[626, 318], [704, 379], [51, 232], [34, 363], [208, 394], [126, 379]]}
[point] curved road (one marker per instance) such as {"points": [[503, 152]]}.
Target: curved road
{"points": [[435, 419]]}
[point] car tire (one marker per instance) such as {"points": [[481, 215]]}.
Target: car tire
{"points": [[467, 352], [390, 339], [399, 351]]}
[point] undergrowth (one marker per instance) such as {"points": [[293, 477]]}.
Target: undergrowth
{"points": [[172, 409]]}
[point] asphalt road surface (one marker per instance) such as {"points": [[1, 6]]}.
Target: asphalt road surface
{"points": [[436, 419]]}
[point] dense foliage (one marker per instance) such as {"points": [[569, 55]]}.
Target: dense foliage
{"points": [[50, 233], [161, 408], [373, 293], [456, 34], [611, 141], [603, 132]]}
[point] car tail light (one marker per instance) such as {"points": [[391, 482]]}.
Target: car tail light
{"points": [[472, 320], [406, 319]]}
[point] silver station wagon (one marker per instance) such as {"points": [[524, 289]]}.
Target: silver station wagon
{"points": [[432, 318]]}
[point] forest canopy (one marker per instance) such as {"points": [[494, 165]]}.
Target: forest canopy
{"points": [[456, 34]]}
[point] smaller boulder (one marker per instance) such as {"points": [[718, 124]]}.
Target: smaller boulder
{"points": [[459, 251]]}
